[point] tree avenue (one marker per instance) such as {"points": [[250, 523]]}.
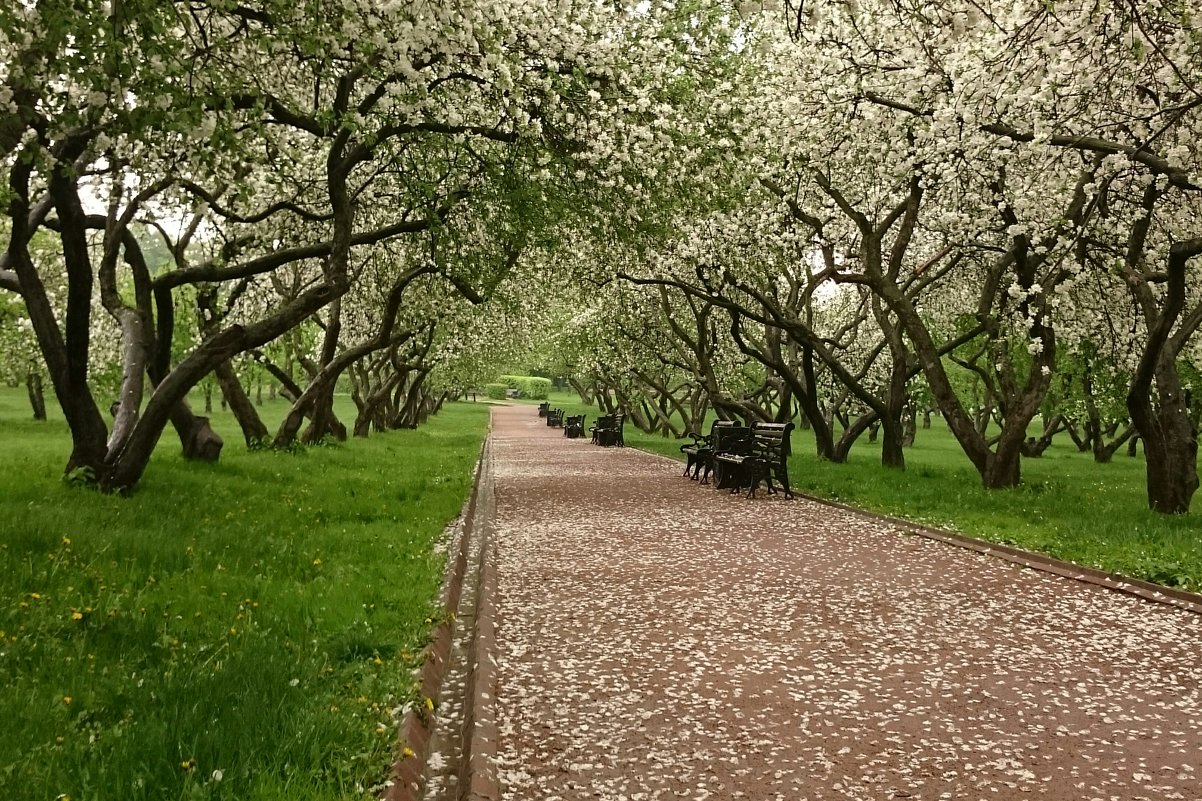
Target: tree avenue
{"points": [[852, 213], [989, 207], [282, 156]]}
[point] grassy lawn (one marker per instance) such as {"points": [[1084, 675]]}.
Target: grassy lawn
{"points": [[245, 630], [1067, 507]]}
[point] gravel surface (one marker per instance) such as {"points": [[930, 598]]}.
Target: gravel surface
{"points": [[658, 639]]}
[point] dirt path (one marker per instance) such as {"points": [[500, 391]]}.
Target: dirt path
{"points": [[810, 654]]}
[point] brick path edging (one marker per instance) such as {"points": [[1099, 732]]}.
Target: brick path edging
{"points": [[478, 780], [417, 724]]}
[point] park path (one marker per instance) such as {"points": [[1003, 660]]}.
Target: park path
{"points": [[657, 639]]}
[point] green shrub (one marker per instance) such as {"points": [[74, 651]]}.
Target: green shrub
{"points": [[496, 391], [529, 385]]}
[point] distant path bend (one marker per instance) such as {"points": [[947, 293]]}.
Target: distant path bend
{"points": [[813, 654]]}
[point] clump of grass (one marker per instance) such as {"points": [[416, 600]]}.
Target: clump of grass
{"points": [[244, 630]]}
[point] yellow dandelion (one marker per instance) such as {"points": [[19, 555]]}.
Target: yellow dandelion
{"points": [[188, 764], [77, 615], [407, 752], [67, 700], [317, 563]]}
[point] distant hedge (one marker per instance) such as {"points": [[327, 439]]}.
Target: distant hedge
{"points": [[496, 391], [530, 386]]}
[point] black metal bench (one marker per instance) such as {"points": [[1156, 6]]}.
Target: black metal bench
{"points": [[573, 426], [555, 417], [760, 456], [700, 453], [603, 421], [608, 430], [543, 408]]}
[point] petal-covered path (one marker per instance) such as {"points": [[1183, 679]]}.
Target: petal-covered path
{"points": [[657, 639]]}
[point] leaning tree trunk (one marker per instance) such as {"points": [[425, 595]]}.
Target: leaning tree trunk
{"points": [[324, 422], [587, 392], [856, 429], [253, 429], [410, 413], [1104, 451], [373, 413]]}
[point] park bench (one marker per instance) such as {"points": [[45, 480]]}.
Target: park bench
{"points": [[700, 452], [573, 426], [608, 430], [603, 421], [555, 418], [761, 455], [543, 408]]}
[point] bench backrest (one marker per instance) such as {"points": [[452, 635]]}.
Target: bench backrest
{"points": [[728, 432], [772, 440]]}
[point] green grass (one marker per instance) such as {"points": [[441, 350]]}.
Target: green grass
{"points": [[243, 630], [1067, 507]]}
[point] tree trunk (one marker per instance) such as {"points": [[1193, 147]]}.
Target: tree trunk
{"points": [[1003, 469], [909, 423], [1034, 447], [893, 454], [856, 429], [587, 392], [1103, 452], [1082, 442], [253, 429], [1172, 465], [926, 418], [197, 437], [324, 422], [37, 395], [1170, 444]]}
